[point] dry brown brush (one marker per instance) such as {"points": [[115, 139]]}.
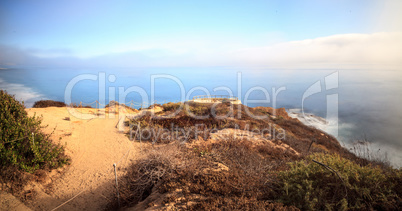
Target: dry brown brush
{"points": [[229, 173], [192, 171]]}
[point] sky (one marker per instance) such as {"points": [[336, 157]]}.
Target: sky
{"points": [[130, 33]]}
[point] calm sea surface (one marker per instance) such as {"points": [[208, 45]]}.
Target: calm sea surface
{"points": [[368, 101]]}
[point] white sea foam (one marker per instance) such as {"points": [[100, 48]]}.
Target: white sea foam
{"points": [[345, 130], [330, 126], [21, 93]]}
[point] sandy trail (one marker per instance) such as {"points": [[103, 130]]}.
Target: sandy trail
{"points": [[94, 145]]}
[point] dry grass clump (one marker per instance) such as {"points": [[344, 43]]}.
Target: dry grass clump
{"points": [[159, 163], [229, 173]]}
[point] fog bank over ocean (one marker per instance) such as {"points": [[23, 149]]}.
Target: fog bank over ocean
{"points": [[368, 100]]}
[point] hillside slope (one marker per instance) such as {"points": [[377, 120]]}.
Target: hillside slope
{"points": [[201, 157]]}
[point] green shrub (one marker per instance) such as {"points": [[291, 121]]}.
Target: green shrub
{"points": [[22, 144], [308, 185], [48, 103]]}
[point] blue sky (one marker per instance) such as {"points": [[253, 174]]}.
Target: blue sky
{"points": [[196, 33]]}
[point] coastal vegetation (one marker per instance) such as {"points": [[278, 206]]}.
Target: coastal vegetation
{"points": [[191, 168], [24, 147]]}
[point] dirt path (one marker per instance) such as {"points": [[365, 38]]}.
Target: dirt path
{"points": [[94, 145]]}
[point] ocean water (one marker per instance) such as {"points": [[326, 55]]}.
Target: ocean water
{"points": [[355, 103]]}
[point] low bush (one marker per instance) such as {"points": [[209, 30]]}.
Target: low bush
{"points": [[309, 186], [144, 174], [23, 145], [48, 103], [171, 106], [198, 111]]}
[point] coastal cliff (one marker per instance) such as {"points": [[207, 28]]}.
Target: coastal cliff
{"points": [[202, 156]]}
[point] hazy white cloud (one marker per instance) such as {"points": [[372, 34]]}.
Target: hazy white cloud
{"points": [[339, 51], [343, 49]]}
